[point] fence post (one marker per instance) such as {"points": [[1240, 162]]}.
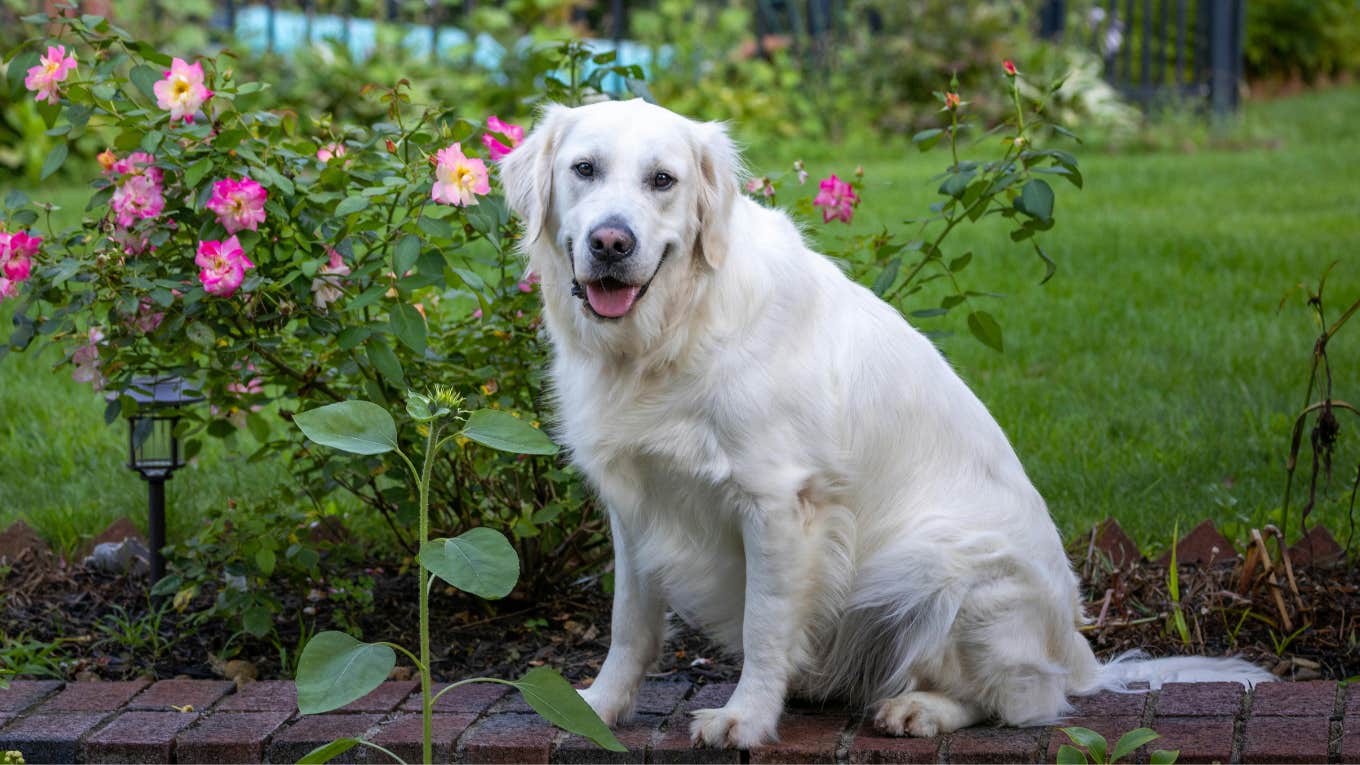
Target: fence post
{"points": [[1225, 53], [1052, 19]]}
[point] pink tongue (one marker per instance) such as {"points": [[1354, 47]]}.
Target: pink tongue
{"points": [[612, 303]]}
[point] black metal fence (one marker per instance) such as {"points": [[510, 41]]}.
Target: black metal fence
{"points": [[1158, 51]]}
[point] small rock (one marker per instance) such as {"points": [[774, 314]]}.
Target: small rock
{"points": [[86, 676], [17, 539], [127, 556], [1202, 546], [1317, 548], [1117, 546], [240, 671], [402, 672]]}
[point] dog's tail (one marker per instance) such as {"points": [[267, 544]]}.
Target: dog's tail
{"points": [[1134, 666]]}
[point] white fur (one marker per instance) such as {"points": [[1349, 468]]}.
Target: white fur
{"points": [[787, 463]]}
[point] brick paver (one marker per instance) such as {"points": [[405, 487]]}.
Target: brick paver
{"points": [[1199, 739], [261, 696], [510, 737], [94, 696], [404, 736], [1309, 699], [637, 734], [473, 698], [1286, 739], [199, 694], [50, 738], [873, 746], [307, 733], [227, 737], [137, 736], [136, 721], [804, 738], [23, 694], [1200, 700]]}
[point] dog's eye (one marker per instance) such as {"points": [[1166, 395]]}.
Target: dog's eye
{"points": [[584, 169], [662, 181]]}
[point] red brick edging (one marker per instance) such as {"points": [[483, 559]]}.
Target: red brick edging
{"points": [[211, 722]]}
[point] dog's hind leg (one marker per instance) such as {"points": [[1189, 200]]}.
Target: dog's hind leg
{"points": [[925, 714]]}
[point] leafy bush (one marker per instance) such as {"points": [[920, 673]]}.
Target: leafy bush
{"points": [[1302, 38], [219, 245]]}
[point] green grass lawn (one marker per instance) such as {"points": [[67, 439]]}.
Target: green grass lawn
{"points": [[1153, 379]]}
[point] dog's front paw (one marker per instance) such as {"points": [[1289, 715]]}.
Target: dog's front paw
{"points": [[608, 706], [733, 726]]}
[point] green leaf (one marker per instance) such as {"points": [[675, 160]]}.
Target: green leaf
{"points": [[54, 160], [1130, 741], [926, 139], [957, 183], [327, 752], [385, 361], [405, 254], [145, 78], [1070, 755], [1163, 756], [195, 172], [885, 279], [1036, 200], [258, 621], [499, 430], [358, 427], [560, 704], [409, 327], [422, 409], [200, 334], [961, 262], [351, 205], [1050, 267], [480, 561], [985, 328], [265, 560], [1094, 742], [350, 337], [335, 669], [18, 70]]}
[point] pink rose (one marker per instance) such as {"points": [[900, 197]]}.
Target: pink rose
{"points": [[224, 266]]}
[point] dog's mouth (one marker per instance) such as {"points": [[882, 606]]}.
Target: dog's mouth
{"points": [[611, 298]]}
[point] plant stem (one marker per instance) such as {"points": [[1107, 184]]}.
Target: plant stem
{"points": [[427, 705]]}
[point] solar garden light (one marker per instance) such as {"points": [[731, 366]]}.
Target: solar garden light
{"points": [[153, 447]]}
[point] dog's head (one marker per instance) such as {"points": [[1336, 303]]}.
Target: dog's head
{"points": [[624, 203]]}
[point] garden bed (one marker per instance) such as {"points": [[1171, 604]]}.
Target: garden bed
{"points": [[82, 624]]}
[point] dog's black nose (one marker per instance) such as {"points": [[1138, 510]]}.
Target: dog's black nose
{"points": [[612, 242]]}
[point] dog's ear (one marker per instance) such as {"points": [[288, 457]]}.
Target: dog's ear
{"points": [[526, 172], [719, 185]]}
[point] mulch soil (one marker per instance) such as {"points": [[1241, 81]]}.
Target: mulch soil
{"points": [[1130, 606]]}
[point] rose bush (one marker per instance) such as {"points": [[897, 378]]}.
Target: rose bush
{"points": [[283, 261]]}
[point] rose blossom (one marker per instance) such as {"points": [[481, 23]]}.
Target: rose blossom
{"points": [[182, 91], [224, 266], [326, 286], [45, 78], [238, 204], [330, 151], [497, 149], [17, 251], [837, 199], [86, 360], [458, 179]]}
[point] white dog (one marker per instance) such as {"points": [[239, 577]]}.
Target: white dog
{"points": [[786, 463]]}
